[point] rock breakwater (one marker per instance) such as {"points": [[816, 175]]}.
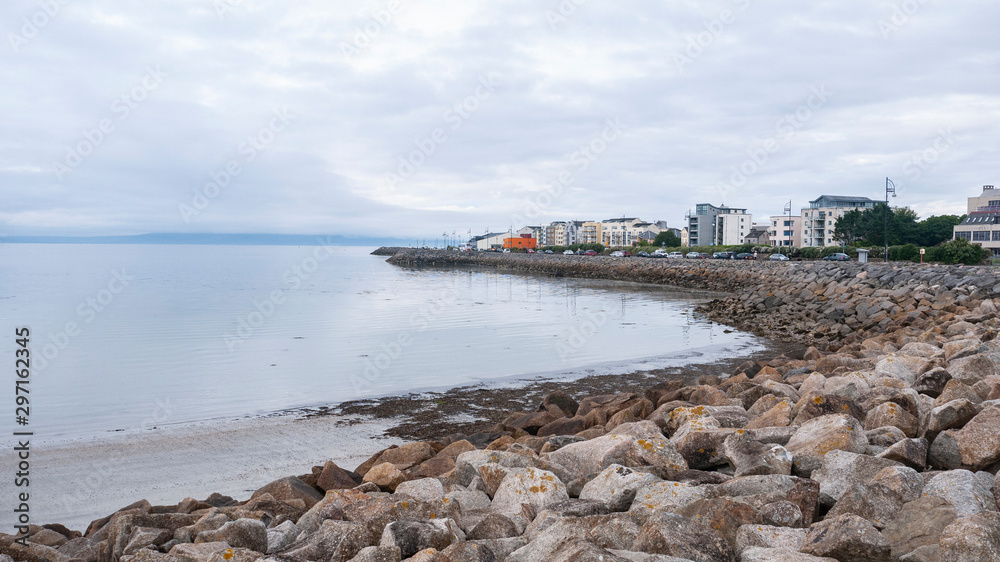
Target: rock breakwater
{"points": [[880, 443]]}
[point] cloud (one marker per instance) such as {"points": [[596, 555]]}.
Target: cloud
{"points": [[394, 90]]}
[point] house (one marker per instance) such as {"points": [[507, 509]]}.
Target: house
{"points": [[820, 218], [758, 236], [982, 225]]}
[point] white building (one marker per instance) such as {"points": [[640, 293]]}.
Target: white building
{"points": [[714, 226], [820, 218], [492, 241], [786, 231]]}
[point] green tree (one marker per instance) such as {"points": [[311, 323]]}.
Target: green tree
{"points": [[936, 229], [850, 227], [668, 239]]}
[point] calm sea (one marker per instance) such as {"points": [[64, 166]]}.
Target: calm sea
{"points": [[126, 337]]}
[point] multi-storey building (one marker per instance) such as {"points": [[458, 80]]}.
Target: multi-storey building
{"points": [[820, 218], [786, 231], [982, 225], [711, 225], [589, 233]]}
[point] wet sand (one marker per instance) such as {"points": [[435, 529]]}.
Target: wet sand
{"points": [[75, 482]]}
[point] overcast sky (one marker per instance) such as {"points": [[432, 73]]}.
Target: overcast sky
{"points": [[403, 118]]}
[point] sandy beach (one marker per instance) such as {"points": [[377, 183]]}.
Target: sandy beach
{"points": [[75, 482]]}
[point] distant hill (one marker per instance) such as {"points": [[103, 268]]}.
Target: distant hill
{"points": [[212, 239]]}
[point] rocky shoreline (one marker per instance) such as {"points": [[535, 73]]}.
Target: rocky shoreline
{"points": [[878, 441]]}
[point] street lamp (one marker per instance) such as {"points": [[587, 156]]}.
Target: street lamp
{"points": [[889, 188]]}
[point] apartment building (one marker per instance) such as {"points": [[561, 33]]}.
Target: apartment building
{"points": [[820, 218], [711, 225], [786, 231], [589, 233], [982, 224]]}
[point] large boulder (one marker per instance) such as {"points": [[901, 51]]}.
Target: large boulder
{"points": [[666, 497], [975, 446], [971, 370], [644, 445], [674, 535], [972, 539], [918, 524], [748, 456], [616, 486], [242, 533], [760, 491], [842, 469], [847, 537], [535, 487], [966, 491], [411, 536], [817, 437], [290, 488], [427, 489]]}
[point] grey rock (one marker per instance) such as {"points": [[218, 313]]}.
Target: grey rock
{"points": [[616, 486]]}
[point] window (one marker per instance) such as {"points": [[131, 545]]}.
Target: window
{"points": [[963, 234], [996, 235], [994, 203], [981, 235]]}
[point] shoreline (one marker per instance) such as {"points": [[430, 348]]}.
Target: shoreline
{"points": [[248, 443]]}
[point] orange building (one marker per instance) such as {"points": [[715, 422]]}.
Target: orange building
{"points": [[520, 242]]}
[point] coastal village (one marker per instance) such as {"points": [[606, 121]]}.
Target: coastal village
{"points": [[710, 225]]}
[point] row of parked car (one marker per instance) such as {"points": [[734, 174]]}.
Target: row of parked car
{"points": [[696, 255]]}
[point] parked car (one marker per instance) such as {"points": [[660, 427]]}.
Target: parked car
{"points": [[693, 256], [675, 255], [627, 253], [643, 254], [531, 251], [567, 252], [705, 256], [659, 254], [548, 251], [590, 253], [617, 254], [743, 256], [722, 256], [837, 257], [778, 257]]}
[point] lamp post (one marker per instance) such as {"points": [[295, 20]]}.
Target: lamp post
{"points": [[889, 188]]}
